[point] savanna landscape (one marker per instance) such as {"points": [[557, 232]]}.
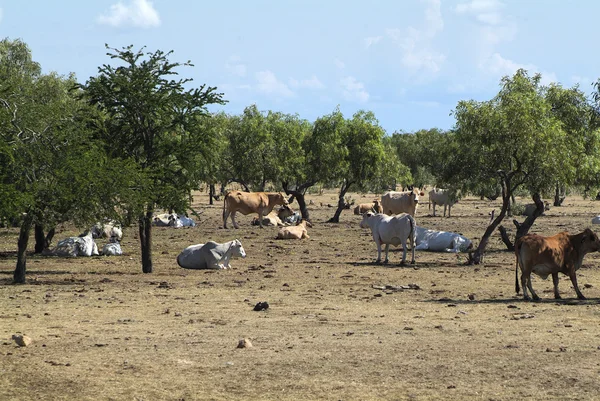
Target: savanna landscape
{"points": [[338, 325]]}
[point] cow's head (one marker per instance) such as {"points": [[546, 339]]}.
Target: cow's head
{"points": [[589, 241], [415, 196], [238, 249], [365, 220], [285, 211]]}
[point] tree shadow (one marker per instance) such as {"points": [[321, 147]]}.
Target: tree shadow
{"points": [[516, 301]]}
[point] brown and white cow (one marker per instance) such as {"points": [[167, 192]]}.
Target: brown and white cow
{"points": [[363, 208], [250, 202], [544, 256], [275, 218], [394, 202]]}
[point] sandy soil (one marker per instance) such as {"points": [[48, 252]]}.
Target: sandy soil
{"points": [[103, 330]]}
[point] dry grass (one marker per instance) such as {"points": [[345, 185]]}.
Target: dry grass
{"points": [[104, 330]]}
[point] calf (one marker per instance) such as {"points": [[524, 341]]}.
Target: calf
{"points": [[368, 207], [391, 230], [295, 232], [544, 256], [438, 196]]}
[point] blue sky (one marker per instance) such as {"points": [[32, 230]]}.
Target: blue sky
{"points": [[408, 61]]}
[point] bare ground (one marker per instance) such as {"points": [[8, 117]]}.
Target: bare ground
{"points": [[103, 330]]}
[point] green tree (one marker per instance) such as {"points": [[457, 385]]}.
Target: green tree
{"points": [[513, 140], [153, 120]]}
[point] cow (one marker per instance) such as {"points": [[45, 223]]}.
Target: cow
{"points": [[211, 255], [438, 196], [113, 248], [530, 208], [165, 220], [106, 230], [596, 220], [83, 245], [363, 208], [441, 241], [275, 218], [391, 230], [393, 202], [544, 256], [295, 232], [250, 202]]}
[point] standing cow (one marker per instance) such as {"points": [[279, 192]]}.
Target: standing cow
{"points": [[391, 230], [250, 202], [544, 256], [438, 196], [393, 202]]}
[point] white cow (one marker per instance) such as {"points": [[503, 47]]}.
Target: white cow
{"points": [[84, 245], [438, 196], [107, 230], [530, 208], [211, 255], [391, 230], [441, 241], [113, 248], [393, 202]]}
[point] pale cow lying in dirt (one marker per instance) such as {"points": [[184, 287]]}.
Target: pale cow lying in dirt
{"points": [[441, 241], [113, 248], [84, 245], [295, 232], [544, 256], [172, 220], [211, 255], [275, 218], [391, 230], [107, 230], [368, 207], [530, 208]]}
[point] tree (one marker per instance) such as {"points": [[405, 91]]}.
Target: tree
{"points": [[513, 140], [362, 140], [55, 171], [154, 122]]}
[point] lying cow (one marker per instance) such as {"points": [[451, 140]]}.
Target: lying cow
{"points": [[393, 202], [84, 245], [172, 220], [295, 232], [107, 230], [275, 218], [363, 208], [438, 196], [530, 208], [113, 248], [391, 230], [544, 256], [211, 255], [441, 241], [250, 202]]}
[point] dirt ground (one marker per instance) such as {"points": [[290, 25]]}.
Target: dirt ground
{"points": [[103, 330]]}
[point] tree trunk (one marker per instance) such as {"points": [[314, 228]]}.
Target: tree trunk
{"points": [[145, 228], [476, 257], [42, 241], [298, 193], [19, 275], [506, 239], [560, 195], [524, 227], [341, 203], [211, 194]]}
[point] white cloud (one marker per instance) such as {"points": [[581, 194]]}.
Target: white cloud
{"points": [[353, 90], [269, 84], [498, 65], [235, 67], [1, 15], [484, 11], [339, 63], [311, 83], [372, 40], [138, 13], [416, 44]]}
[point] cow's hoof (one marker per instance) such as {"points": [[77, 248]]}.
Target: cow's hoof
{"points": [[412, 262], [378, 261], [556, 296], [582, 297]]}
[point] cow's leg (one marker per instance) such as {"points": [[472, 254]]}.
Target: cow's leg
{"points": [[403, 254], [433, 209], [235, 225], [533, 294], [378, 252], [387, 249], [412, 251], [449, 207], [226, 214], [260, 217], [555, 282], [573, 277], [524, 285]]}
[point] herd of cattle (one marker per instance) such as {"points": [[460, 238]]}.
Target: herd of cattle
{"points": [[391, 221]]}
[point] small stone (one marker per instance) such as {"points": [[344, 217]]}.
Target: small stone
{"points": [[471, 297], [22, 340], [244, 343]]}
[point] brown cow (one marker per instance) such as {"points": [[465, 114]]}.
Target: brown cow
{"points": [[546, 256], [295, 232], [250, 202], [368, 207]]}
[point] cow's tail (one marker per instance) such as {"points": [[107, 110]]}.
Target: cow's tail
{"points": [[413, 224], [225, 206], [517, 252]]}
